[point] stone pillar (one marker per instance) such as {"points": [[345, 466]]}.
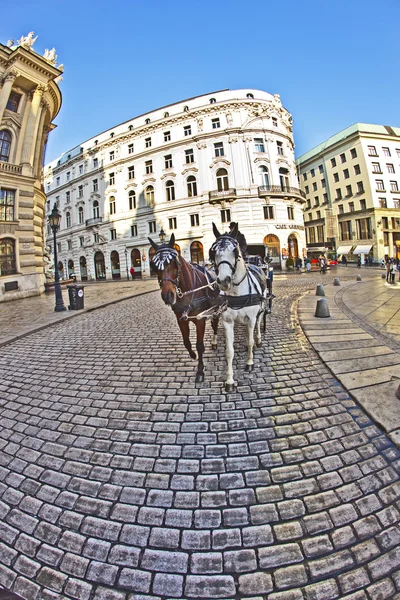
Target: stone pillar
{"points": [[8, 81], [28, 149]]}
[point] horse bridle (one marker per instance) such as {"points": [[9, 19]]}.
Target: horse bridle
{"points": [[226, 262]]}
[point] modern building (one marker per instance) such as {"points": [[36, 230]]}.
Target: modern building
{"points": [[352, 187], [221, 157]]}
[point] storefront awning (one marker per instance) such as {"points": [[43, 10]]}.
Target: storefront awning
{"points": [[362, 249], [344, 250], [317, 249]]}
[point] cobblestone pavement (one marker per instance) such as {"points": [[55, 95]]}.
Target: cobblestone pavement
{"points": [[120, 479]]}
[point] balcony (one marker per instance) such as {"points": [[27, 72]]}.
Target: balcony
{"points": [[94, 221], [279, 190], [6, 167], [223, 195]]}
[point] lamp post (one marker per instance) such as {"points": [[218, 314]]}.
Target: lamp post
{"points": [[161, 235], [54, 222], [126, 262]]}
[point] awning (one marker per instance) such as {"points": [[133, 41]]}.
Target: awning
{"points": [[344, 250], [362, 249], [318, 249]]}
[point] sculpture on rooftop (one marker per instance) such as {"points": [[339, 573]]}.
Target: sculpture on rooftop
{"points": [[27, 41]]}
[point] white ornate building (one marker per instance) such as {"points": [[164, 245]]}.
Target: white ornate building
{"points": [[225, 156]]}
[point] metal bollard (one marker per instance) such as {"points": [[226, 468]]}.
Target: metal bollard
{"points": [[322, 308], [336, 281], [320, 290]]}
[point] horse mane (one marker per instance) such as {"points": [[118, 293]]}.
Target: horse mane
{"points": [[224, 242]]}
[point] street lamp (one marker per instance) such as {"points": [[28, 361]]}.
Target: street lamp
{"points": [[54, 222], [126, 262], [161, 235]]}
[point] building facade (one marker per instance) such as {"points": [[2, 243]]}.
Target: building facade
{"points": [[352, 187], [29, 101], [221, 157]]}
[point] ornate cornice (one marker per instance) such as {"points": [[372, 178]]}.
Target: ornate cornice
{"points": [[218, 161]]}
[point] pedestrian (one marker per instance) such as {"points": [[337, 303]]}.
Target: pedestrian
{"points": [[359, 262], [322, 264], [393, 270], [132, 272], [308, 264], [344, 260], [388, 265], [299, 264]]}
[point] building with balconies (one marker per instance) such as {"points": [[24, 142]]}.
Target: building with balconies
{"points": [[221, 157], [29, 101], [352, 188]]}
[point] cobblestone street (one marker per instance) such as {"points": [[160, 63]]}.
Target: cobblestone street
{"points": [[121, 479]]}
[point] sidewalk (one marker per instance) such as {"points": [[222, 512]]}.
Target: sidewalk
{"points": [[360, 343]]}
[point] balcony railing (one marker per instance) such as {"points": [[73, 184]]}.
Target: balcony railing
{"points": [[94, 221], [281, 190], [9, 168], [217, 195]]}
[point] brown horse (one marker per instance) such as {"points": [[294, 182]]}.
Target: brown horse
{"points": [[189, 290]]}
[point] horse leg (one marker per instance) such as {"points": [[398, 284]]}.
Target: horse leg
{"points": [[258, 331], [214, 325], [251, 324], [200, 329], [184, 327], [229, 337]]}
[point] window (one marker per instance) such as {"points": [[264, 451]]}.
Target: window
{"points": [[325, 197], [147, 121], [132, 200], [284, 180], [95, 185], [338, 194], [323, 182], [80, 191], [81, 241], [8, 262], [222, 180], [357, 170], [320, 231], [249, 95], [312, 172], [316, 201], [13, 102], [149, 195], [305, 176], [112, 155], [360, 187], [386, 151], [308, 204], [95, 163], [152, 227], [215, 123], [130, 149], [398, 152], [343, 157], [96, 210], [321, 169], [149, 166], [68, 219], [147, 142], [168, 161], [219, 149], [212, 100], [364, 229], [336, 177], [380, 185], [376, 167], [268, 212], [346, 173], [194, 220], [351, 206], [279, 147], [5, 145], [68, 175], [314, 187], [225, 215], [113, 234], [259, 145], [382, 202], [372, 151], [333, 162], [263, 175], [131, 172], [340, 209], [172, 223], [7, 203], [166, 115], [167, 136], [170, 190], [80, 215], [96, 238], [185, 109], [349, 191], [345, 231], [394, 186], [187, 130], [274, 121], [307, 189], [363, 205], [134, 230], [69, 245], [111, 180], [353, 153], [67, 197], [57, 181], [290, 213], [189, 156], [191, 186], [112, 205], [311, 234], [390, 168]]}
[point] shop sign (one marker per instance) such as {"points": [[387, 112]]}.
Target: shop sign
{"points": [[289, 226]]}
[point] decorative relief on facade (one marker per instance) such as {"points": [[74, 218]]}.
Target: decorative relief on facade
{"points": [[199, 124]]}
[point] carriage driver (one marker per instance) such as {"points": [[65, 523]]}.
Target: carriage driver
{"points": [[241, 240]]}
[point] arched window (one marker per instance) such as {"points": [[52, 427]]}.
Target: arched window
{"points": [[132, 199], [80, 215], [166, 114], [222, 180], [170, 190], [115, 266], [197, 253], [250, 96], [185, 109], [112, 205], [212, 100], [149, 195], [8, 265], [147, 121], [96, 210], [284, 179], [192, 186], [5, 145], [263, 175], [68, 219], [272, 242]]}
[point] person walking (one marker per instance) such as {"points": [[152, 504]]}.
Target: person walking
{"points": [[308, 264], [359, 262], [132, 272]]}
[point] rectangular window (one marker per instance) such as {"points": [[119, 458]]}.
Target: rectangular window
{"points": [[338, 194], [147, 142], [390, 168], [314, 187], [321, 169], [95, 163], [312, 172], [168, 161], [96, 238], [215, 123], [325, 196], [69, 245], [259, 146], [13, 102], [268, 212], [225, 215], [305, 176], [380, 185], [59, 246], [308, 203], [219, 149], [134, 230], [68, 175], [112, 155], [80, 191], [187, 130], [67, 197], [346, 173], [386, 151], [357, 170], [323, 182], [349, 191], [7, 203], [58, 181], [167, 136], [345, 231], [364, 230], [80, 215], [382, 202], [351, 206], [81, 241], [316, 201], [353, 153], [318, 214], [274, 121], [130, 149], [194, 220], [131, 172], [112, 206], [360, 187], [172, 223], [290, 213], [95, 185], [394, 186], [340, 209], [279, 147], [189, 156], [152, 226], [343, 157], [333, 162], [149, 168], [320, 233], [336, 177], [311, 234], [111, 180], [363, 205], [372, 151], [307, 189], [113, 234], [376, 167]]}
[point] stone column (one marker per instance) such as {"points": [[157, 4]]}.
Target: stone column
{"points": [[28, 149], [8, 81]]}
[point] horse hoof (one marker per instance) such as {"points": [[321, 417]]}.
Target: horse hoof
{"points": [[199, 377], [259, 344], [249, 368], [229, 387], [214, 346], [193, 355]]}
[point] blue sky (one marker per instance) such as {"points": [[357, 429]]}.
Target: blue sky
{"points": [[333, 63]]}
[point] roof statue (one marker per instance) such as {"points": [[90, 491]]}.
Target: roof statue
{"points": [[50, 56], [27, 41], [10, 43]]}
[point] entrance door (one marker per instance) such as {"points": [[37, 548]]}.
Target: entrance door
{"points": [[71, 270], [136, 262], [153, 271], [115, 267], [99, 265], [293, 247], [83, 268]]}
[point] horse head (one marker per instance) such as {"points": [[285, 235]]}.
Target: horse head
{"points": [[225, 254], [166, 263]]}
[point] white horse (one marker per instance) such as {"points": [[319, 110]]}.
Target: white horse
{"points": [[246, 294]]}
